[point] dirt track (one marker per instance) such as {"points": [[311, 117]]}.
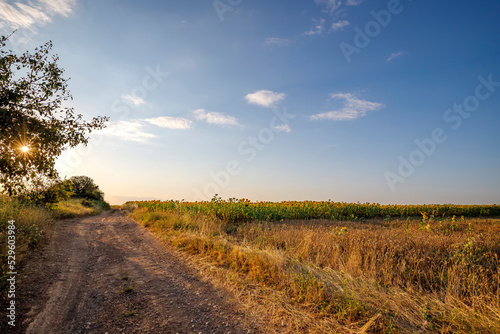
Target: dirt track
{"points": [[106, 274]]}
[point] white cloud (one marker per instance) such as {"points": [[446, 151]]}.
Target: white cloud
{"points": [[63, 7], [353, 2], [131, 131], [15, 16], [215, 117], [337, 8], [317, 29], [33, 12], [283, 128], [278, 41], [395, 55], [330, 5], [339, 25], [176, 123], [265, 98], [135, 100], [353, 108]]}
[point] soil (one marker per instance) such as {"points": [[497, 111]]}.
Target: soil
{"points": [[107, 274]]}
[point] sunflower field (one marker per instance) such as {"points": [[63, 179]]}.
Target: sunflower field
{"points": [[240, 210]]}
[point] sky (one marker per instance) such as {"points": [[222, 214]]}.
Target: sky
{"points": [[391, 102]]}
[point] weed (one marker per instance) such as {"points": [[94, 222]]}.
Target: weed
{"points": [[127, 288], [130, 312]]}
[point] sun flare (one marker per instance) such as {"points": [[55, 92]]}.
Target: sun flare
{"points": [[25, 148]]}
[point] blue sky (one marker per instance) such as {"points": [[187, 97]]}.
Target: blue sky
{"points": [[369, 101]]}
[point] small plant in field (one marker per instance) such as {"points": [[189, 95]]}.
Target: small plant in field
{"points": [[425, 222], [127, 288], [470, 229], [465, 253], [440, 226], [342, 231], [217, 199], [424, 216], [408, 223], [469, 244], [428, 320], [130, 312], [396, 223], [449, 229], [422, 221]]}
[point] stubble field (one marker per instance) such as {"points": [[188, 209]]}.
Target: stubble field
{"points": [[360, 268]]}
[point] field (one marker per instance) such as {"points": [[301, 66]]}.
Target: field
{"points": [[350, 268]]}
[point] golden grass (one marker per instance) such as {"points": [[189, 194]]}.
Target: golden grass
{"points": [[73, 208], [373, 276], [33, 224]]}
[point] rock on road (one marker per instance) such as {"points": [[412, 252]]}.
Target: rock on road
{"points": [[107, 274]]}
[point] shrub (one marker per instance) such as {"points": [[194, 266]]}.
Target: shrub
{"points": [[85, 187], [47, 191]]}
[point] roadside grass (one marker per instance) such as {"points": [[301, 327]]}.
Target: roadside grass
{"points": [[359, 276], [77, 207], [33, 225]]}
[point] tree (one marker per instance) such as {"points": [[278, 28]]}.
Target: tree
{"points": [[85, 187], [35, 128], [60, 191], [46, 191]]}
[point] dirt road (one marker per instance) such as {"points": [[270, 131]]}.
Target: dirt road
{"points": [[106, 274]]}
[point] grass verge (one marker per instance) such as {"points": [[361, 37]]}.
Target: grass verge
{"points": [[33, 225], [371, 276], [77, 207]]}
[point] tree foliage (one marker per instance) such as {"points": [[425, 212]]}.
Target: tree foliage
{"points": [[32, 93], [58, 192], [42, 190], [85, 187]]}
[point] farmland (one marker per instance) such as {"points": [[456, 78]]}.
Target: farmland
{"points": [[234, 210], [342, 267]]}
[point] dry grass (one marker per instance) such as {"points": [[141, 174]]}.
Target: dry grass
{"points": [[33, 224], [73, 208], [374, 276]]}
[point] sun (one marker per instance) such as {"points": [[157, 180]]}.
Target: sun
{"points": [[25, 149]]}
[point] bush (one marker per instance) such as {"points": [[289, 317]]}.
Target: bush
{"points": [[85, 187], [60, 191], [45, 191]]}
